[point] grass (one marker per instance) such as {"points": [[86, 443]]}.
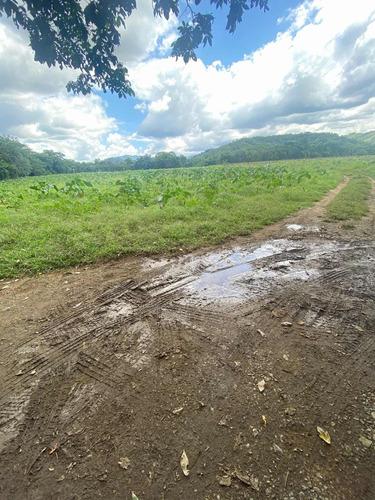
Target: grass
{"points": [[351, 202], [63, 220]]}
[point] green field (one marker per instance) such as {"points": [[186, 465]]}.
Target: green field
{"points": [[56, 221]]}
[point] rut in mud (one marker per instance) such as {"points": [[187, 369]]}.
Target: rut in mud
{"points": [[144, 358]]}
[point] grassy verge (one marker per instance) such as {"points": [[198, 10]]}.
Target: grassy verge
{"points": [[58, 221], [351, 202]]}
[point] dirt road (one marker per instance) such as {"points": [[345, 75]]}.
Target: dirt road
{"points": [[233, 355]]}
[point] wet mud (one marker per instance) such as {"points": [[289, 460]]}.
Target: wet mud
{"points": [[234, 355]]}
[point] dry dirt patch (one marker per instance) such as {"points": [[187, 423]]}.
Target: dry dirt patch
{"points": [[110, 372]]}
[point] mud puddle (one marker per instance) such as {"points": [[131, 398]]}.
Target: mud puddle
{"points": [[245, 272]]}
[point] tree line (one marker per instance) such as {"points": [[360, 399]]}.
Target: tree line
{"points": [[18, 160], [288, 146]]}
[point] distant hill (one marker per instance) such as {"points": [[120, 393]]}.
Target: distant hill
{"points": [[288, 146], [122, 158], [368, 137]]}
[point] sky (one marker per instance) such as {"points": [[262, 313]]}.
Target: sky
{"points": [[301, 67]]}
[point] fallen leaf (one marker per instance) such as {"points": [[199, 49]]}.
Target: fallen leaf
{"points": [[225, 481], [124, 462], [249, 481], [286, 323], [223, 422], [54, 449], [358, 328], [254, 483], [177, 410], [184, 463], [277, 448], [238, 441], [134, 496], [264, 420], [243, 478], [261, 385], [324, 435], [262, 333]]}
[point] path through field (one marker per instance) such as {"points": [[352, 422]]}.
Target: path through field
{"points": [[233, 355]]}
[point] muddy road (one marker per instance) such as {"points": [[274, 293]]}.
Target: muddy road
{"points": [[233, 355]]}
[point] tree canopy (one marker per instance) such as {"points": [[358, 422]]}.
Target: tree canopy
{"points": [[17, 160], [69, 34]]}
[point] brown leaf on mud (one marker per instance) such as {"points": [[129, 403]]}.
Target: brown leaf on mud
{"points": [[261, 385], [177, 411], [54, 449], [358, 328], [225, 481], [248, 480], [238, 441], [324, 435], [184, 463]]}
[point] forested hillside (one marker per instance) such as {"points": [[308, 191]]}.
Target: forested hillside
{"points": [[291, 146], [17, 160]]}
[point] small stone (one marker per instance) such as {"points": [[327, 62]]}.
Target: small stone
{"points": [[124, 463], [286, 323], [290, 411], [225, 481], [366, 442], [261, 385]]}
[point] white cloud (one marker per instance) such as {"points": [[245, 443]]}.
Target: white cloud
{"points": [[144, 34], [73, 125], [19, 71], [317, 75]]}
